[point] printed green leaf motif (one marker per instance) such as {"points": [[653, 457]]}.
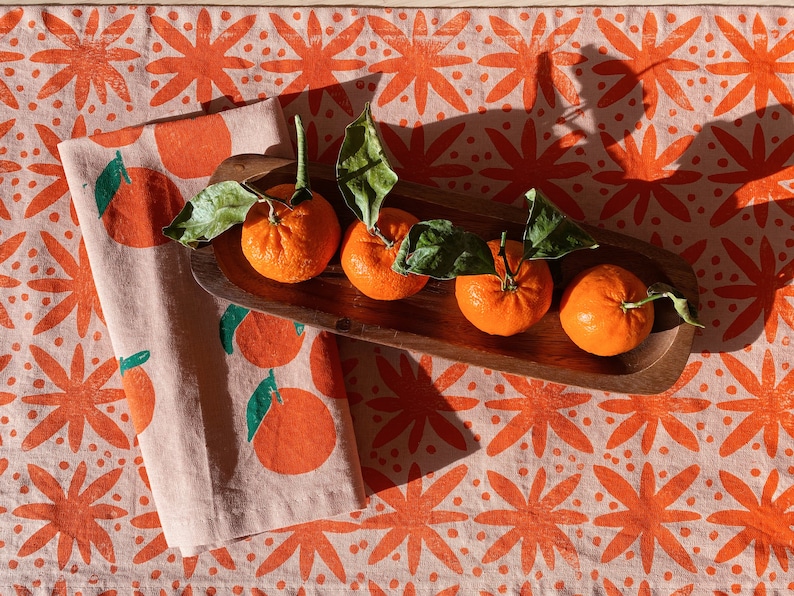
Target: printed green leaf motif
{"points": [[549, 233], [685, 310], [260, 402], [136, 359], [299, 328], [230, 320], [211, 212], [363, 172], [303, 191], [109, 181], [439, 249]]}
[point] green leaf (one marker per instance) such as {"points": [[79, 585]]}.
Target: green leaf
{"points": [[363, 172], [303, 191], [211, 212], [230, 320], [438, 249], [685, 310], [109, 181], [260, 402], [136, 359], [549, 233]]}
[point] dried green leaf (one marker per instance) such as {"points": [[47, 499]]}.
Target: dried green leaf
{"points": [[550, 233], [685, 310]]}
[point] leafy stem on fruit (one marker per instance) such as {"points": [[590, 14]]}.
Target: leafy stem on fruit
{"points": [[661, 290], [363, 173], [222, 205], [508, 282], [441, 250]]}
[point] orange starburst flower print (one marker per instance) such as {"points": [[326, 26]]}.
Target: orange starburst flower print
{"points": [[5, 397], [537, 409], [649, 63], [420, 57], [59, 187], [761, 67], [536, 63], [420, 400], [643, 175], [646, 514], [645, 589], [79, 286], [652, 410], [414, 513], [770, 289], [88, 59], [6, 166], [71, 515], [205, 62], [7, 22], [7, 249], [767, 521], [310, 539], [526, 169], [769, 409], [762, 178], [77, 403], [534, 521], [416, 163], [316, 63]]}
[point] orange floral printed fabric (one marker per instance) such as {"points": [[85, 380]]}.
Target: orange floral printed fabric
{"points": [[670, 124]]}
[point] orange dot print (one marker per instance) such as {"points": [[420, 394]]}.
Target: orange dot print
{"points": [[280, 441], [209, 144]]}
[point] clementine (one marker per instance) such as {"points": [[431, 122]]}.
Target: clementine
{"points": [[367, 259], [511, 301], [598, 313], [139, 390], [290, 245]]}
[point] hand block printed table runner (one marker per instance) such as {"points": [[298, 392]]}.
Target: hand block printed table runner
{"points": [[669, 124]]}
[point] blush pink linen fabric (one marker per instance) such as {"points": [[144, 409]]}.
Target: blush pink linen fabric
{"points": [[207, 481]]}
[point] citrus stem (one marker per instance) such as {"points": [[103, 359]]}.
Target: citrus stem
{"points": [[626, 306], [508, 283], [375, 231]]}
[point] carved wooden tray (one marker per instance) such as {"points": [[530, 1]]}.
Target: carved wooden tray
{"points": [[430, 322]]}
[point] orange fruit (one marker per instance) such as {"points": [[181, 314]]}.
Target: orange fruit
{"points": [[139, 390], [498, 311], [592, 315], [296, 244], [296, 435], [367, 261]]}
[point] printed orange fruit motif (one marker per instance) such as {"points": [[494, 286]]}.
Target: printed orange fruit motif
{"points": [[506, 304], [370, 244], [279, 424], [502, 287], [135, 203], [367, 260], [606, 310], [139, 389], [264, 340], [290, 244], [209, 144]]}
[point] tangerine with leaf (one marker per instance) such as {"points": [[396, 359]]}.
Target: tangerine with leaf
{"points": [[371, 243], [289, 232], [502, 287], [606, 310]]}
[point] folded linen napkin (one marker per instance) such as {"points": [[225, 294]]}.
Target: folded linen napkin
{"points": [[242, 418]]}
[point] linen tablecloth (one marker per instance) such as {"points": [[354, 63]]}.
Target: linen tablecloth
{"points": [[669, 124]]}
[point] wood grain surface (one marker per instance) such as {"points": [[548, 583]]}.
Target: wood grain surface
{"points": [[430, 321]]}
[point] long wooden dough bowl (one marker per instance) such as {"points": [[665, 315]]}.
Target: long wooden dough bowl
{"points": [[430, 321]]}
